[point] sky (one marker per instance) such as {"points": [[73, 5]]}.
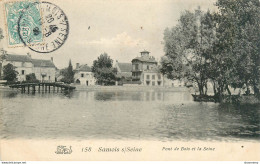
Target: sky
{"points": [[121, 28]]}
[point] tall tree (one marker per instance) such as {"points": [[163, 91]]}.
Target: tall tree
{"points": [[68, 74], [103, 70], [188, 47], [10, 74], [239, 42]]}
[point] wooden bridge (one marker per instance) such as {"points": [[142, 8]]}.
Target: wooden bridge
{"points": [[44, 87]]}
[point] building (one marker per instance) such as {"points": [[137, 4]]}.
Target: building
{"points": [[145, 70], [44, 70], [83, 75], [124, 72], [152, 78], [173, 83]]}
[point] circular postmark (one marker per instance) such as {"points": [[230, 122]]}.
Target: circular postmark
{"points": [[43, 27]]}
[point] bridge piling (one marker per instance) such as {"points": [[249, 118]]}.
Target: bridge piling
{"points": [[28, 88], [34, 89]]}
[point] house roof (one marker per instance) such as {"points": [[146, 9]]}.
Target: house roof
{"points": [[84, 68], [42, 63], [125, 67], [145, 59], [19, 58]]}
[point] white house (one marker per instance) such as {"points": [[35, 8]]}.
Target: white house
{"points": [[23, 64], [145, 70], [83, 75], [44, 70]]}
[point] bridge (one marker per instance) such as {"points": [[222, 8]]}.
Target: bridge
{"points": [[44, 87]]}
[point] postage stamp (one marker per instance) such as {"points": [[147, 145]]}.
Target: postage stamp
{"points": [[31, 27], [52, 26], [41, 26]]}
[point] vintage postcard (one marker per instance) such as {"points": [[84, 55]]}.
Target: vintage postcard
{"points": [[130, 80]]}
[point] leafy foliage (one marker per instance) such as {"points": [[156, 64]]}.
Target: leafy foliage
{"points": [[9, 73], [103, 70], [222, 48], [239, 41], [68, 74], [188, 47], [31, 78]]}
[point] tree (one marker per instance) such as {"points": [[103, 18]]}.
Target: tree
{"points": [[9, 72], [188, 47], [239, 42], [68, 74], [223, 47], [103, 70], [31, 78]]}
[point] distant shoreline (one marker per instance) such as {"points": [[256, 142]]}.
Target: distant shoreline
{"points": [[132, 88], [120, 88]]}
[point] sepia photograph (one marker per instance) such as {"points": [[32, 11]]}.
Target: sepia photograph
{"points": [[130, 80]]}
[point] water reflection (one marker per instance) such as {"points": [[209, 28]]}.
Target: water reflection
{"points": [[155, 115], [9, 94], [133, 96]]}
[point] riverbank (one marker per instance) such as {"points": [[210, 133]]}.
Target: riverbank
{"points": [[132, 88]]}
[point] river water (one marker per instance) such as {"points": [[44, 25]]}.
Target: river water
{"points": [[149, 115]]}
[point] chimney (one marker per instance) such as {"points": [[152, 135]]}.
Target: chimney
{"points": [[29, 55], [51, 59], [77, 65]]}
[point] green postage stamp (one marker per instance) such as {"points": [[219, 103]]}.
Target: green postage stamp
{"points": [[30, 28]]}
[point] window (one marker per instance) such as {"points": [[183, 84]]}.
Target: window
{"points": [[153, 77], [148, 67], [147, 76], [159, 77], [82, 75], [136, 67], [159, 83], [23, 72], [147, 82], [153, 83]]}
